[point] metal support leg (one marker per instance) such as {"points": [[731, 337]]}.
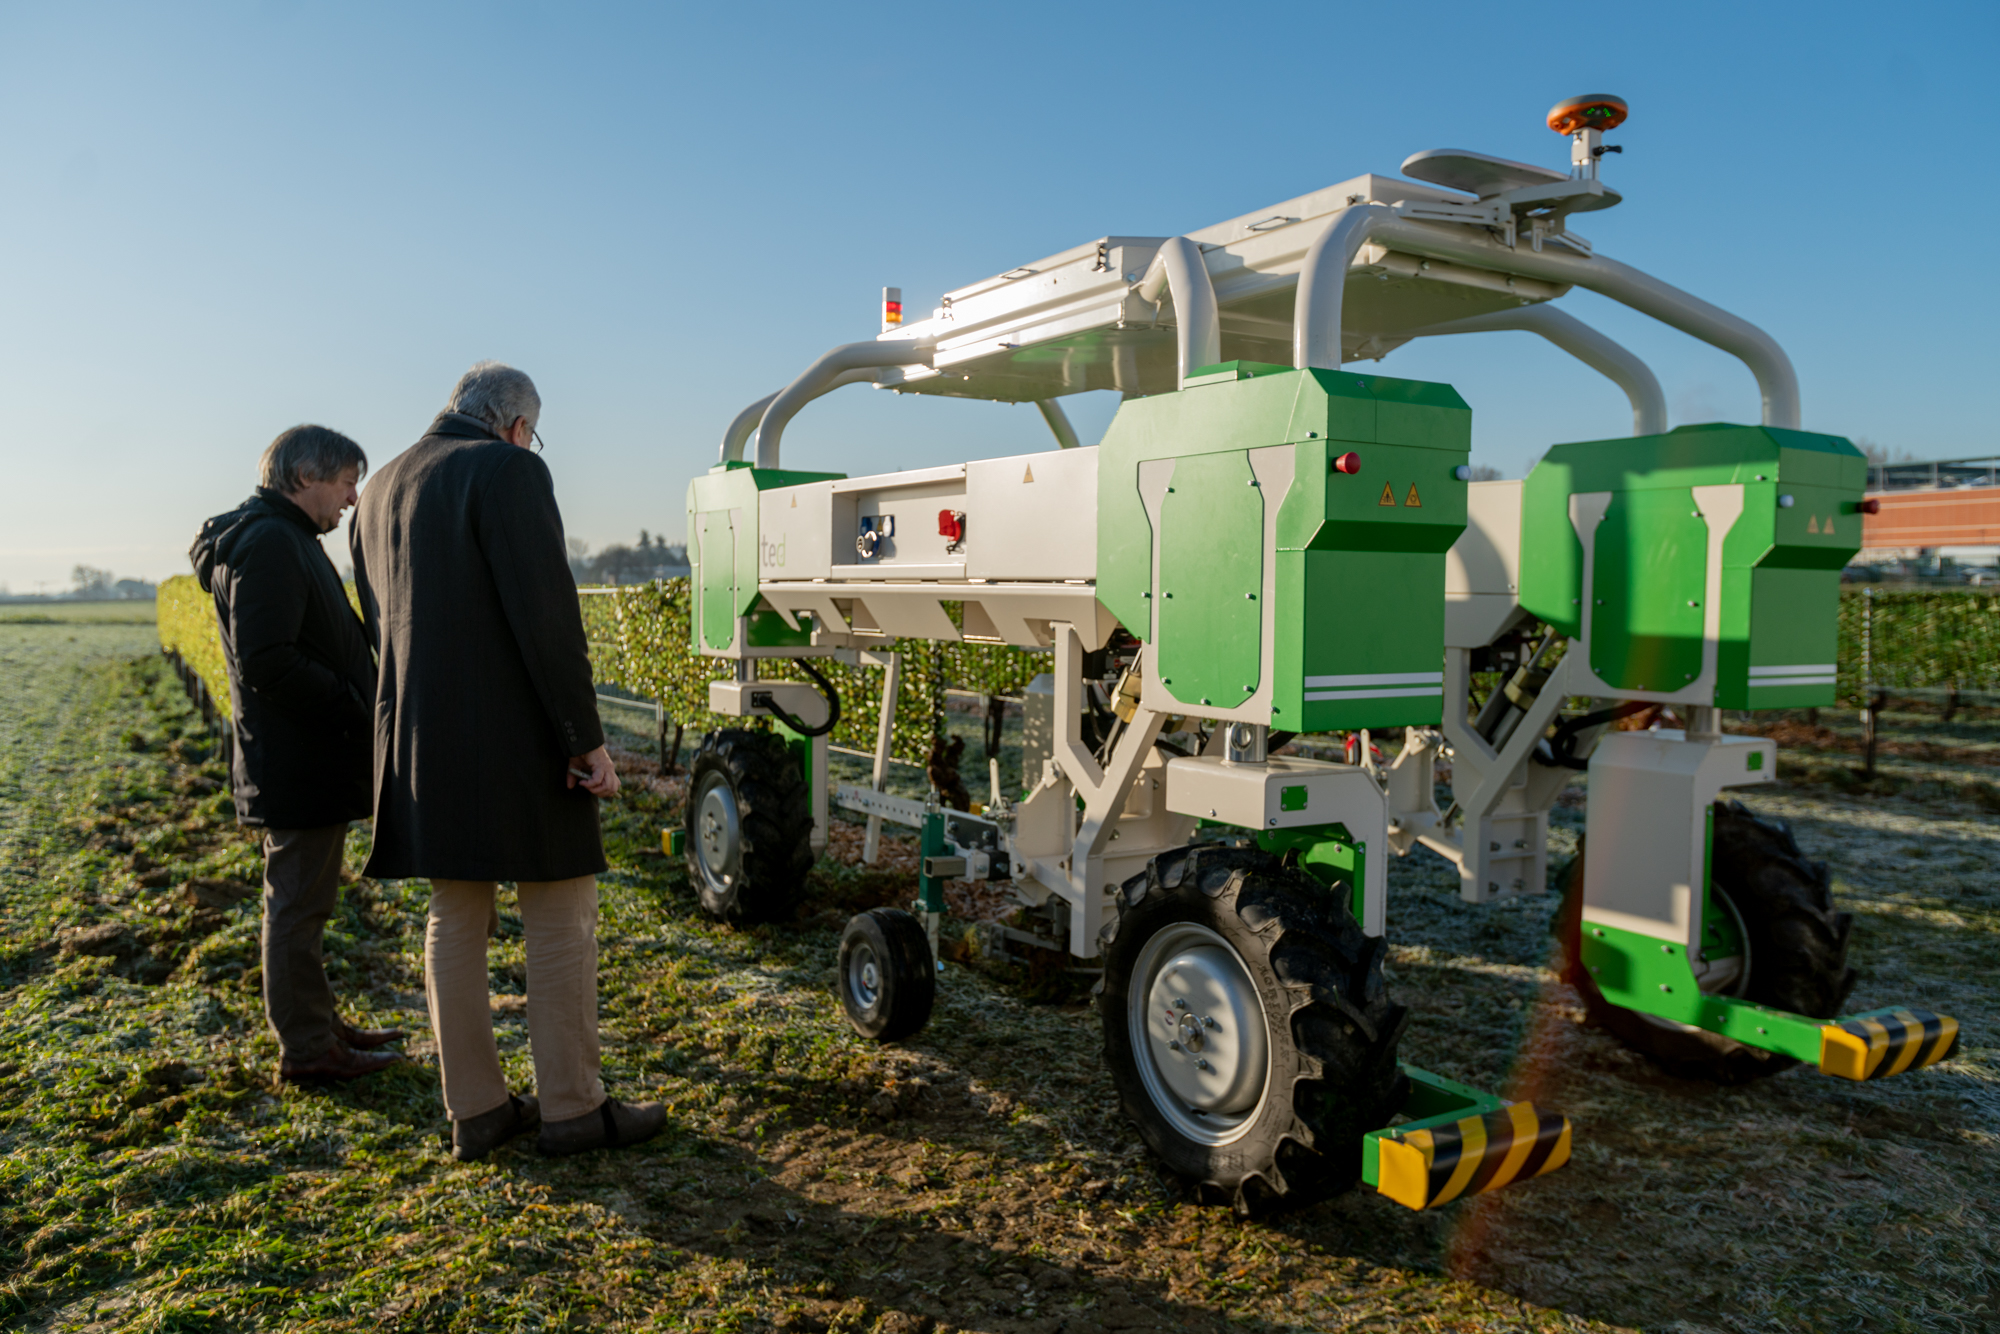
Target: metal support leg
{"points": [[1103, 789], [885, 734]]}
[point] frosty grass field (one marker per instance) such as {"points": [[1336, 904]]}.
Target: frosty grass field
{"points": [[153, 1176]]}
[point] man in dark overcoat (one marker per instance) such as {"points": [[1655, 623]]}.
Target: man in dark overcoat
{"points": [[302, 695], [489, 757]]}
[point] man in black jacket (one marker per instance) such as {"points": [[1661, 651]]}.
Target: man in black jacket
{"points": [[302, 697], [489, 757]]}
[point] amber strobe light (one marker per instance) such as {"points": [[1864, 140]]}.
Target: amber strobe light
{"points": [[892, 307], [1592, 111]]}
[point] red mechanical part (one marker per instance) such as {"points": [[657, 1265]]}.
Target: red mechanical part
{"points": [[951, 525], [1349, 463], [1870, 506], [1592, 111]]}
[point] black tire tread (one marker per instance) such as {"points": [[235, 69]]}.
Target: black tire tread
{"points": [[1343, 1075], [775, 808], [905, 951], [1798, 949]]}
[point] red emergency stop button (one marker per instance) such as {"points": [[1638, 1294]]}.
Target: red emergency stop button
{"points": [[1348, 463]]}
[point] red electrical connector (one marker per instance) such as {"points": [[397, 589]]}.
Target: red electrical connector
{"points": [[951, 526], [1349, 463]]}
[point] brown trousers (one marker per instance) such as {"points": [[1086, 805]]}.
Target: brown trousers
{"points": [[301, 887], [560, 921]]}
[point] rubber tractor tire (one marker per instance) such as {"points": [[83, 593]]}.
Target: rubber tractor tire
{"points": [[749, 827], [1794, 957], [1247, 1028], [888, 981]]}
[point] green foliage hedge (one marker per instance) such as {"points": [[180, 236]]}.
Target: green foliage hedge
{"points": [[187, 627], [639, 642], [1917, 638]]}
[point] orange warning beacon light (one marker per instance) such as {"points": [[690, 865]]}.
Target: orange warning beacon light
{"points": [[1593, 111], [892, 307]]}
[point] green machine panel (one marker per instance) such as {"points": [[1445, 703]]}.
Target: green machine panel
{"points": [[1650, 581], [1781, 559], [1210, 619], [1356, 558], [722, 550]]}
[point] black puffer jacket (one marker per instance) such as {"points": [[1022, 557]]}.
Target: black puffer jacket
{"points": [[301, 675]]}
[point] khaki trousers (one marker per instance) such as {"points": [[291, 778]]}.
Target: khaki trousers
{"points": [[301, 887], [560, 921]]}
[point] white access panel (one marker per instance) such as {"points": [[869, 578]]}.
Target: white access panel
{"points": [[1254, 796], [1648, 825], [1032, 516], [1482, 571], [795, 532]]}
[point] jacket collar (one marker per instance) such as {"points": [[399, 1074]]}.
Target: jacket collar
{"points": [[282, 507], [459, 426]]}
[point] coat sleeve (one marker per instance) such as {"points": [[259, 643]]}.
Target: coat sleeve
{"points": [[521, 534], [267, 610]]}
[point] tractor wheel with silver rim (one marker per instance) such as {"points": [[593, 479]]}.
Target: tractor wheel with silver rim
{"points": [[1776, 941], [1247, 1028], [888, 981], [749, 827]]}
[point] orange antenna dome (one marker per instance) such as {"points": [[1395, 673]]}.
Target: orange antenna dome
{"points": [[1593, 111]]}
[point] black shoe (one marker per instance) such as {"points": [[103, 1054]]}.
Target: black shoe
{"points": [[614, 1125], [477, 1136]]}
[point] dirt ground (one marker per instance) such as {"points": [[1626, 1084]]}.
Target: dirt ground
{"points": [[153, 1176]]}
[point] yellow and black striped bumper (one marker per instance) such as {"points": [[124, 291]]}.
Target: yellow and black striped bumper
{"points": [[1885, 1042], [1426, 1168]]}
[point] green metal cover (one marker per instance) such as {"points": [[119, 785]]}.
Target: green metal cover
{"points": [[1781, 564], [1210, 618], [722, 550], [1358, 559]]}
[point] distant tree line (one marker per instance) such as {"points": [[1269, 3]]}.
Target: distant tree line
{"points": [[647, 559], [90, 584]]}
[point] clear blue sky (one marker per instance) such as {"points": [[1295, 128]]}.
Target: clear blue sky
{"points": [[217, 221]]}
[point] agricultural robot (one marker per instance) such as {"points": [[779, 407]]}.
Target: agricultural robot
{"points": [[1264, 544]]}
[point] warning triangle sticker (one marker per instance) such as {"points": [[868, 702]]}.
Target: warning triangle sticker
{"points": [[1413, 500], [795, 502], [1812, 524], [1828, 530], [1028, 473], [1388, 495]]}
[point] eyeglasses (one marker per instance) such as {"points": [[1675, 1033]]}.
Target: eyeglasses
{"points": [[538, 439]]}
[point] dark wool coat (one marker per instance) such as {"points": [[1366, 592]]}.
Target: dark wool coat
{"points": [[301, 679], [486, 687]]}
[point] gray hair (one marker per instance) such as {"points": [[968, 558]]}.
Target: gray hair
{"points": [[496, 394], [308, 454]]}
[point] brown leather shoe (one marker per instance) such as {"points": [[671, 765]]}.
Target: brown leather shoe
{"points": [[366, 1039], [340, 1062]]}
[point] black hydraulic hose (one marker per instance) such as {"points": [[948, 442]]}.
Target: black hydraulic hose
{"points": [[1562, 746], [762, 699]]}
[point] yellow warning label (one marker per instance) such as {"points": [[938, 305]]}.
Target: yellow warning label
{"points": [[1413, 500], [795, 502], [1828, 530], [1028, 473], [1812, 524], [1388, 495]]}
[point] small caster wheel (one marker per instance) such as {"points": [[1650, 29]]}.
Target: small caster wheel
{"points": [[887, 979]]}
